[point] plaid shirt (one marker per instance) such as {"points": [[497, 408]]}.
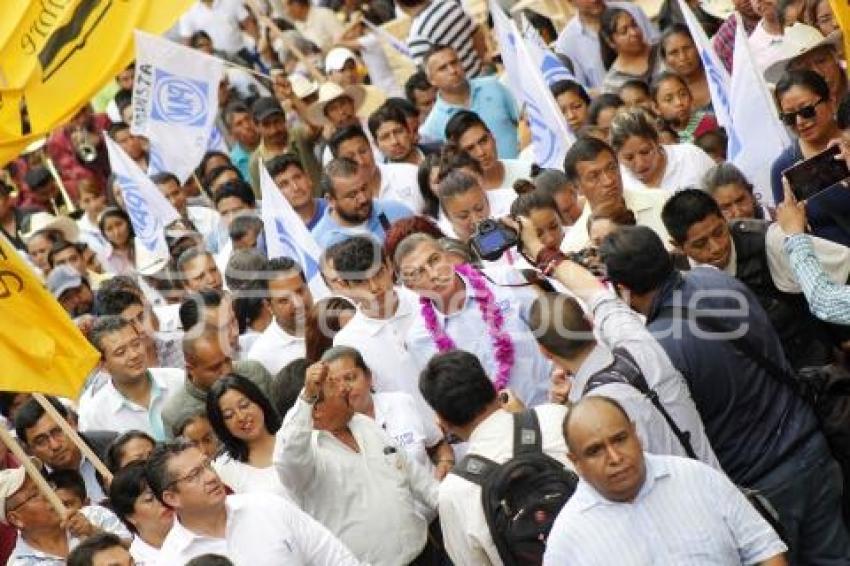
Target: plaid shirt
{"points": [[827, 301], [724, 39]]}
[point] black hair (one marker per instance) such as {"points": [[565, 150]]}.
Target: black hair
{"points": [[236, 448], [673, 29], [127, 486], [70, 480], [196, 37], [117, 127], [345, 353], [30, 412], [684, 209], [631, 123], [210, 559], [84, 553], [403, 105], [59, 247], [115, 301], [457, 183], [534, 200], [123, 98], [423, 178], [115, 452], [416, 81], [236, 188], [337, 168], [358, 254], [566, 85], [603, 102], [235, 107], [386, 113], [635, 257], [217, 172], [164, 177], [248, 305], [345, 134], [156, 468], [7, 400], [283, 266], [201, 170], [280, 163], [462, 121], [725, 174], [104, 326], [805, 78], [585, 148], [634, 83], [117, 213], [190, 308], [432, 50], [559, 324], [288, 384], [842, 114], [662, 78], [607, 28], [456, 386]]}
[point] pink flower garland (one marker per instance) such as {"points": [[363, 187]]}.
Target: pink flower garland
{"points": [[503, 346]]}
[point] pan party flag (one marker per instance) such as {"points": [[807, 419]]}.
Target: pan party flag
{"points": [[61, 52], [41, 348], [841, 9]]}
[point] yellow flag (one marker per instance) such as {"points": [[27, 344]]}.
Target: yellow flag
{"points": [[56, 69], [841, 9], [13, 14], [40, 347]]}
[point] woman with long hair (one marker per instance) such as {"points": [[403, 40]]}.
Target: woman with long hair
{"points": [[625, 51], [116, 227], [131, 498], [245, 422]]}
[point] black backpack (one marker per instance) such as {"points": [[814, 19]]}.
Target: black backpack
{"points": [[521, 497]]}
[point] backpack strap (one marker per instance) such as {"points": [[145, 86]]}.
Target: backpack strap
{"points": [[384, 221], [624, 369], [527, 437], [475, 468]]}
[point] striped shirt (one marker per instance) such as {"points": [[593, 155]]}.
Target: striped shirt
{"points": [[443, 22], [827, 300], [685, 513]]}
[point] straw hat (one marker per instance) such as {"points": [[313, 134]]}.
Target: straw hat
{"points": [[798, 43], [45, 221], [329, 92], [302, 87]]}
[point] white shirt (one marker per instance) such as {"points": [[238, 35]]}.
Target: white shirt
{"points": [[685, 513], [398, 415], [261, 530], [399, 182], [143, 553], [465, 531], [686, 166], [321, 27], [108, 409], [646, 204], [515, 169], [378, 65], [366, 498], [275, 348], [618, 326], [382, 345], [242, 477], [767, 49], [220, 21], [529, 378], [25, 555]]}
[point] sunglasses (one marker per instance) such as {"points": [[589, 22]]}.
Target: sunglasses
{"points": [[806, 112]]}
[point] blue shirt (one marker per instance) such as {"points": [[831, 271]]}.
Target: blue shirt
{"points": [[241, 158], [581, 44], [321, 206], [328, 232], [493, 103], [827, 301]]}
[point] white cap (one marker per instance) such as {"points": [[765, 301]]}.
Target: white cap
{"points": [[337, 57]]}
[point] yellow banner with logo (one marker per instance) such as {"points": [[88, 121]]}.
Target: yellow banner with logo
{"points": [[41, 348], [60, 53]]}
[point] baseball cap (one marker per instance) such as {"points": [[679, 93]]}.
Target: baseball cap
{"points": [[265, 107], [63, 278], [337, 57], [11, 481], [37, 177]]}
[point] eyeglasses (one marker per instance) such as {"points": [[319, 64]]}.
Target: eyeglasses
{"points": [[806, 112], [42, 440], [194, 474]]}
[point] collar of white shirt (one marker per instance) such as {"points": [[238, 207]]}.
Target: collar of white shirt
{"points": [[655, 469], [280, 336], [372, 326], [116, 400]]}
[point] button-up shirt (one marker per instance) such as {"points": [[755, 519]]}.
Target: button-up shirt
{"points": [[367, 497], [108, 409], [529, 377], [493, 103], [685, 513], [581, 44], [25, 555], [261, 530], [827, 300], [275, 348], [618, 326], [465, 531]]}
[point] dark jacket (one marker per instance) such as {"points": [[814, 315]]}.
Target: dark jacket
{"points": [[754, 421]]}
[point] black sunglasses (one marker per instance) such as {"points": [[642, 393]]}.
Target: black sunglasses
{"points": [[806, 112]]}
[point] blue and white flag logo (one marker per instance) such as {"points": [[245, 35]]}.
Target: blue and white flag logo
{"points": [[290, 249], [179, 100]]}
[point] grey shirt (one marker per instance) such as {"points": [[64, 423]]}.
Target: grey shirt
{"points": [[191, 399]]}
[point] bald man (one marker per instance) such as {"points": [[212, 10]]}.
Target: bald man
{"points": [[634, 508]]}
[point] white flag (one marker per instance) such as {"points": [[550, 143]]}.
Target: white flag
{"points": [[149, 211], [175, 101], [550, 135], [287, 235], [552, 68], [394, 42], [715, 72], [757, 136]]}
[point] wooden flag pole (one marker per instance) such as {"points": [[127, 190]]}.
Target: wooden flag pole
{"points": [[74, 436], [41, 483]]}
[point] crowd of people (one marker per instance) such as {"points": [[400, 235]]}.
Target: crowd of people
{"points": [[638, 338]]}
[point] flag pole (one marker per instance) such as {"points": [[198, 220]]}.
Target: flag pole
{"points": [[38, 479], [74, 436]]}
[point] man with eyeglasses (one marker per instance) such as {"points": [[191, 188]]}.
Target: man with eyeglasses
{"points": [[250, 528], [42, 539], [43, 438]]}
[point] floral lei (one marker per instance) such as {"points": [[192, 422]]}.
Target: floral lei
{"points": [[503, 346]]}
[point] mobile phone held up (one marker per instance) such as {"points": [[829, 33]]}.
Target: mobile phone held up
{"points": [[816, 174]]}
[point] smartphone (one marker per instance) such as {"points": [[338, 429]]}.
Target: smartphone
{"points": [[817, 173]]}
